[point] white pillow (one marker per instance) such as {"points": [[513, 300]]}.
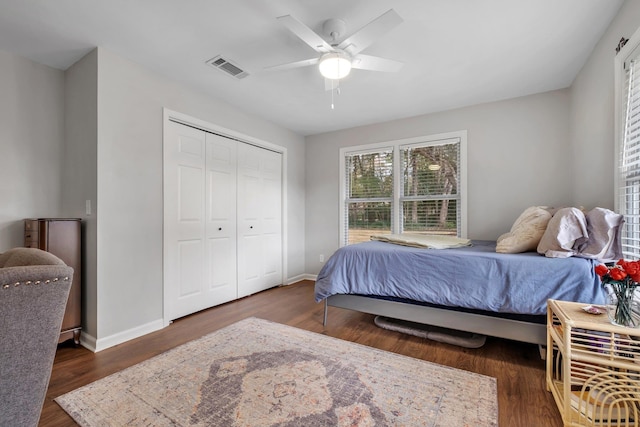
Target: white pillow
{"points": [[564, 228], [526, 231]]}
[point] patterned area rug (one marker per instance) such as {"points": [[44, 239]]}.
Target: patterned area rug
{"points": [[259, 373]]}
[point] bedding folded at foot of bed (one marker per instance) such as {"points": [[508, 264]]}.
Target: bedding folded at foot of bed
{"points": [[423, 240]]}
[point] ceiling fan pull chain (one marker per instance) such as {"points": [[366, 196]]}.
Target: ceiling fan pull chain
{"points": [[332, 106], [335, 89]]}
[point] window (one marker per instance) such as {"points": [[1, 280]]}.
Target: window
{"points": [[628, 147], [430, 193], [412, 185], [369, 189]]}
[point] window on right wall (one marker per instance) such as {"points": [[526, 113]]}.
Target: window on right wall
{"points": [[627, 179]]}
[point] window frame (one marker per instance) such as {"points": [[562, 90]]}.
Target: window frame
{"points": [[630, 51], [397, 197]]}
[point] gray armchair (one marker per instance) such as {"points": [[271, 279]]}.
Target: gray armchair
{"points": [[34, 286]]}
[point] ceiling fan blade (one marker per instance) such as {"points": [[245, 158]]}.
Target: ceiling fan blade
{"points": [[305, 33], [370, 32], [374, 63], [291, 65]]}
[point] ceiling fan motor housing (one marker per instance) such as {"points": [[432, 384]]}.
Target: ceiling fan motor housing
{"points": [[334, 28]]}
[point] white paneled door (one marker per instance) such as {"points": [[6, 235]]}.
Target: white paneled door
{"points": [[259, 219], [222, 219], [221, 224], [199, 220]]}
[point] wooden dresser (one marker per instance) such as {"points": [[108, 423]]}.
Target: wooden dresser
{"points": [[61, 237]]}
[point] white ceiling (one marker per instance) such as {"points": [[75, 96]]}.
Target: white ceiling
{"points": [[456, 52]]}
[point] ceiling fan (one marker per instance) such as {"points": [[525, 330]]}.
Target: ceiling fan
{"points": [[337, 58]]}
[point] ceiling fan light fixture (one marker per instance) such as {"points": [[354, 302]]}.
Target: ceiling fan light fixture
{"points": [[335, 65]]}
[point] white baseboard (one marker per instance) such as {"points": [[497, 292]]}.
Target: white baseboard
{"points": [[88, 341], [300, 277], [97, 345]]}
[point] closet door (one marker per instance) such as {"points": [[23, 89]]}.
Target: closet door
{"points": [[221, 222], [259, 219], [199, 234], [221, 225]]}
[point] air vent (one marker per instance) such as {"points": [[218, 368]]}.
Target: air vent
{"points": [[228, 67]]}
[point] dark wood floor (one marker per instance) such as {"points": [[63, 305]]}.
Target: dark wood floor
{"points": [[522, 395]]}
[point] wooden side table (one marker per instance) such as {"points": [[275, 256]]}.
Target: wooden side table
{"points": [[593, 367]]}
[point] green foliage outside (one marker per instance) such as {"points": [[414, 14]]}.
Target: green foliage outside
{"points": [[428, 172]]}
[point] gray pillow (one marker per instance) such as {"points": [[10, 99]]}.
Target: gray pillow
{"points": [[603, 242], [563, 229]]}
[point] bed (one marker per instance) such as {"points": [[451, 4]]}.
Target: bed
{"points": [[471, 289]]}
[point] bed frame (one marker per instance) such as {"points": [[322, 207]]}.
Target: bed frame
{"points": [[518, 330]]}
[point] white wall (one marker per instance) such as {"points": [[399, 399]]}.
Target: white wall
{"points": [[31, 139], [79, 174], [592, 114], [518, 156], [129, 188]]}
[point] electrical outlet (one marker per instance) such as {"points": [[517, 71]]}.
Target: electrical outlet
{"points": [[321, 257]]}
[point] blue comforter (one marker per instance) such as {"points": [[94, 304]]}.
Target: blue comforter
{"points": [[474, 277]]}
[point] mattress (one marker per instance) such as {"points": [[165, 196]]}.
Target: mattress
{"points": [[473, 277]]}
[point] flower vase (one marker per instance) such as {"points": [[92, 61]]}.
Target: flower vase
{"points": [[623, 307]]}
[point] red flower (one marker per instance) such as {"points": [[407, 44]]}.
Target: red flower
{"points": [[617, 274], [624, 273], [601, 270], [620, 282], [632, 268]]}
